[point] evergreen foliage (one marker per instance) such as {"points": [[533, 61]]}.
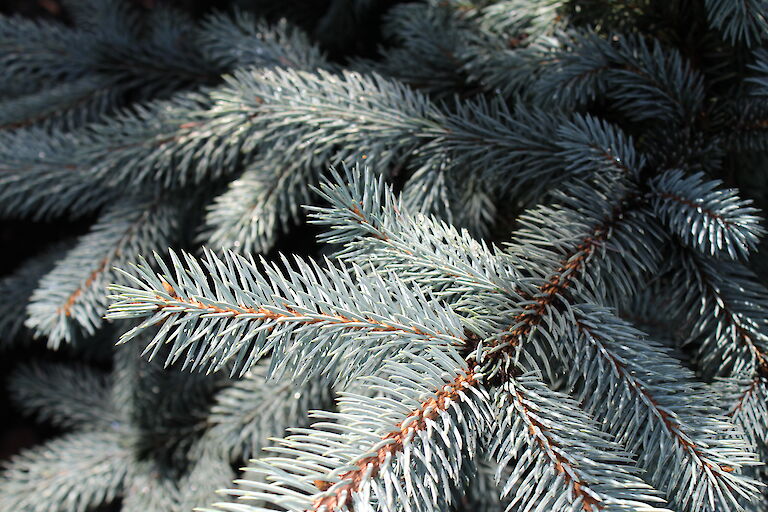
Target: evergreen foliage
{"points": [[539, 286]]}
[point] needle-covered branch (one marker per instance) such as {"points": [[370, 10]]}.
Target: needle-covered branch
{"points": [[560, 459], [608, 363], [76, 471], [70, 300], [424, 418], [233, 311], [556, 163], [713, 220]]}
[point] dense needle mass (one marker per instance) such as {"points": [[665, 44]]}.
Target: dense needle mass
{"points": [[537, 283]]}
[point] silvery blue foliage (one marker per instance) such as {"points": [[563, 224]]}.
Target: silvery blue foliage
{"points": [[508, 194], [509, 314], [722, 223]]}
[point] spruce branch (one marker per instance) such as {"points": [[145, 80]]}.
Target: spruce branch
{"points": [[741, 22], [746, 404], [174, 142], [534, 117], [541, 309], [197, 138], [200, 483], [567, 268], [17, 288], [715, 221], [34, 60], [70, 299], [64, 395], [647, 81], [239, 40], [348, 115], [442, 47], [511, 66], [375, 447], [689, 432], [711, 459], [40, 177], [281, 109], [75, 472], [250, 312], [62, 107], [171, 143], [545, 433], [150, 489], [110, 51], [254, 409], [726, 315], [512, 17], [425, 53], [589, 145]]}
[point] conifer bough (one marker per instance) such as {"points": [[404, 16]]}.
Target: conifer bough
{"points": [[449, 364], [537, 290]]}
